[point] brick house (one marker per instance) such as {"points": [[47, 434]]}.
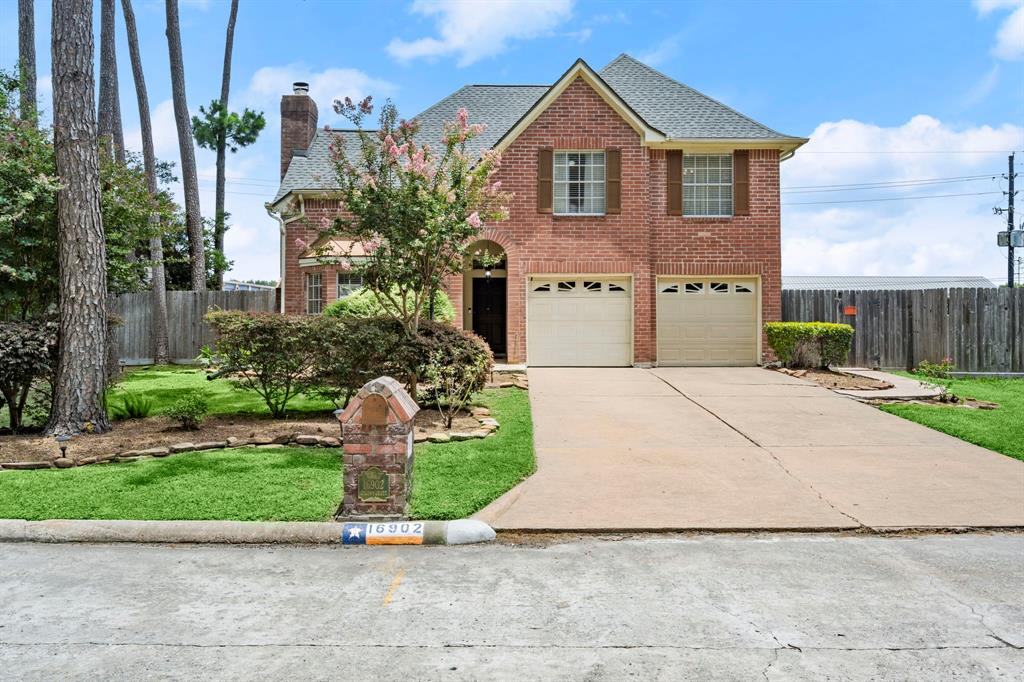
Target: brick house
{"points": [[644, 229]]}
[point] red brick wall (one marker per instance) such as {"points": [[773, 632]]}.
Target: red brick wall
{"points": [[642, 240]]}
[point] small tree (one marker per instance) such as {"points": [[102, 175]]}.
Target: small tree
{"points": [[414, 210], [271, 354], [28, 355]]}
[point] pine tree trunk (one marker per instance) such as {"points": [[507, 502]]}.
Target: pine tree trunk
{"points": [[193, 217], [225, 87], [157, 278], [78, 403], [27, 58], [108, 124]]}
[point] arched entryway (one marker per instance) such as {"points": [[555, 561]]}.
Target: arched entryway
{"points": [[485, 295]]}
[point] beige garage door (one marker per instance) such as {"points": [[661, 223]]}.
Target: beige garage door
{"points": [[577, 321], [707, 321]]}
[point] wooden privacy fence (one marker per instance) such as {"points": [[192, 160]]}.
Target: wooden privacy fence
{"points": [[187, 332], [982, 330]]}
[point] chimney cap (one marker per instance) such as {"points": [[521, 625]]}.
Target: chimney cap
{"points": [[300, 88]]}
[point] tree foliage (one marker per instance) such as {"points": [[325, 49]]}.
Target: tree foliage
{"points": [[412, 208], [28, 355], [238, 130]]}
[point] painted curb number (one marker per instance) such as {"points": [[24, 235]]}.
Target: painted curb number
{"points": [[401, 533]]}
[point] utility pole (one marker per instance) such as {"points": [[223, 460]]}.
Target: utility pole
{"points": [[1009, 224]]}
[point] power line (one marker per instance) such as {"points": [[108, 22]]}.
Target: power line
{"points": [[864, 201], [887, 183]]}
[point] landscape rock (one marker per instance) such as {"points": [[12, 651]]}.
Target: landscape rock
{"points": [[261, 440], [63, 463], [26, 465], [286, 438], [488, 421], [211, 445], [270, 446], [420, 438], [330, 442], [233, 441], [306, 439], [480, 412], [180, 447], [460, 435], [153, 452], [480, 433], [439, 438]]}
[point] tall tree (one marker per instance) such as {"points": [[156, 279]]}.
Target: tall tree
{"points": [[27, 58], [193, 217], [220, 129], [78, 403], [109, 120], [157, 281]]}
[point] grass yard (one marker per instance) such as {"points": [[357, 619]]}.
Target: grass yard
{"points": [[279, 484], [165, 384], [998, 429]]}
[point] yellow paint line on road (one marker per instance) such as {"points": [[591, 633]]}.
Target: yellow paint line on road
{"points": [[394, 587]]}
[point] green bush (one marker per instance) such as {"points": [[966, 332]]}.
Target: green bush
{"points": [[133, 406], [353, 351], [269, 353], [936, 370], [801, 343], [363, 304], [28, 359], [188, 410]]}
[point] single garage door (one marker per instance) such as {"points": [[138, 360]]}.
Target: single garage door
{"points": [[579, 321], [710, 321]]}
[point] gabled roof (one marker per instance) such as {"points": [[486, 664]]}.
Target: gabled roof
{"points": [[676, 109], [857, 283], [662, 110]]}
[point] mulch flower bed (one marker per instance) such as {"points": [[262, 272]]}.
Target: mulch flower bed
{"points": [[831, 379], [132, 439]]}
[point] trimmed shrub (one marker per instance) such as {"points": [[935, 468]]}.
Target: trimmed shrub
{"points": [[28, 358], [356, 350], [799, 344], [188, 410], [363, 304], [269, 353]]}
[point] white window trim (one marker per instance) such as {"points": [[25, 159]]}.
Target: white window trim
{"points": [[555, 182], [732, 189], [308, 289]]}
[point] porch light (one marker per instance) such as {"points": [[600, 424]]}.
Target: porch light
{"points": [[487, 273]]}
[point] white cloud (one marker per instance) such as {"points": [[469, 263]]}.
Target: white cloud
{"points": [[942, 236], [984, 87], [1010, 36], [269, 83], [476, 30], [663, 51], [165, 131]]}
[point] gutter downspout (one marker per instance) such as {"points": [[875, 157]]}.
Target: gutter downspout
{"points": [[282, 224]]}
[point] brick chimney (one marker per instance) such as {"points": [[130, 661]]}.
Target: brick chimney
{"points": [[298, 122]]}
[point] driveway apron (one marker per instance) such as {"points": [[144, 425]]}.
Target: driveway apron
{"points": [[741, 449]]}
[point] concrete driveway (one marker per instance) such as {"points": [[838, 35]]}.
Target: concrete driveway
{"points": [[742, 448]]}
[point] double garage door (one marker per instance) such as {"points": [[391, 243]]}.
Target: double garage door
{"points": [[587, 321]]}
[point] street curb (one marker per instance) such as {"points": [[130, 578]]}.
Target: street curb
{"points": [[231, 532]]}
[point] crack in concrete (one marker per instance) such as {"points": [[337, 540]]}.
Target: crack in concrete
{"points": [[768, 452], [465, 645]]}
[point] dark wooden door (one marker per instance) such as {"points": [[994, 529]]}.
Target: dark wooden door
{"points": [[489, 312]]}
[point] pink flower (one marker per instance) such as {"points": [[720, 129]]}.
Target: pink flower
{"points": [[462, 117], [345, 266], [301, 243], [327, 127], [474, 219]]}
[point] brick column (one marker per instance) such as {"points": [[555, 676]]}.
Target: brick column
{"points": [[377, 430]]}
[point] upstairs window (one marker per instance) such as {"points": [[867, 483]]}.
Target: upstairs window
{"points": [[707, 184], [348, 284], [579, 183], [314, 293]]}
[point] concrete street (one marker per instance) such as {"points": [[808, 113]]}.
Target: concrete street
{"points": [[742, 448], [670, 607]]}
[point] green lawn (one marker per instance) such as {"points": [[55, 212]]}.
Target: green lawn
{"points": [[998, 429], [279, 484], [165, 384]]}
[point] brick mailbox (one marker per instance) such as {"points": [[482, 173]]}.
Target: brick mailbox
{"points": [[377, 434]]}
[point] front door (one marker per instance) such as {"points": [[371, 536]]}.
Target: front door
{"points": [[489, 312]]}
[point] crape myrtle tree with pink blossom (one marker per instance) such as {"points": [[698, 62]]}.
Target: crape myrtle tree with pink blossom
{"points": [[413, 207]]}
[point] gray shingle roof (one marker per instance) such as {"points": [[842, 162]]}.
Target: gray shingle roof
{"points": [[844, 283], [677, 110]]}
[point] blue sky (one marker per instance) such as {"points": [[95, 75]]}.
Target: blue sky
{"points": [[887, 92]]}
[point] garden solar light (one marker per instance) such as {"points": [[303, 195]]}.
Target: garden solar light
{"points": [[62, 443]]}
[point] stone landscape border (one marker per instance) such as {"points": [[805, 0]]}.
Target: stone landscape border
{"points": [[486, 426]]}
